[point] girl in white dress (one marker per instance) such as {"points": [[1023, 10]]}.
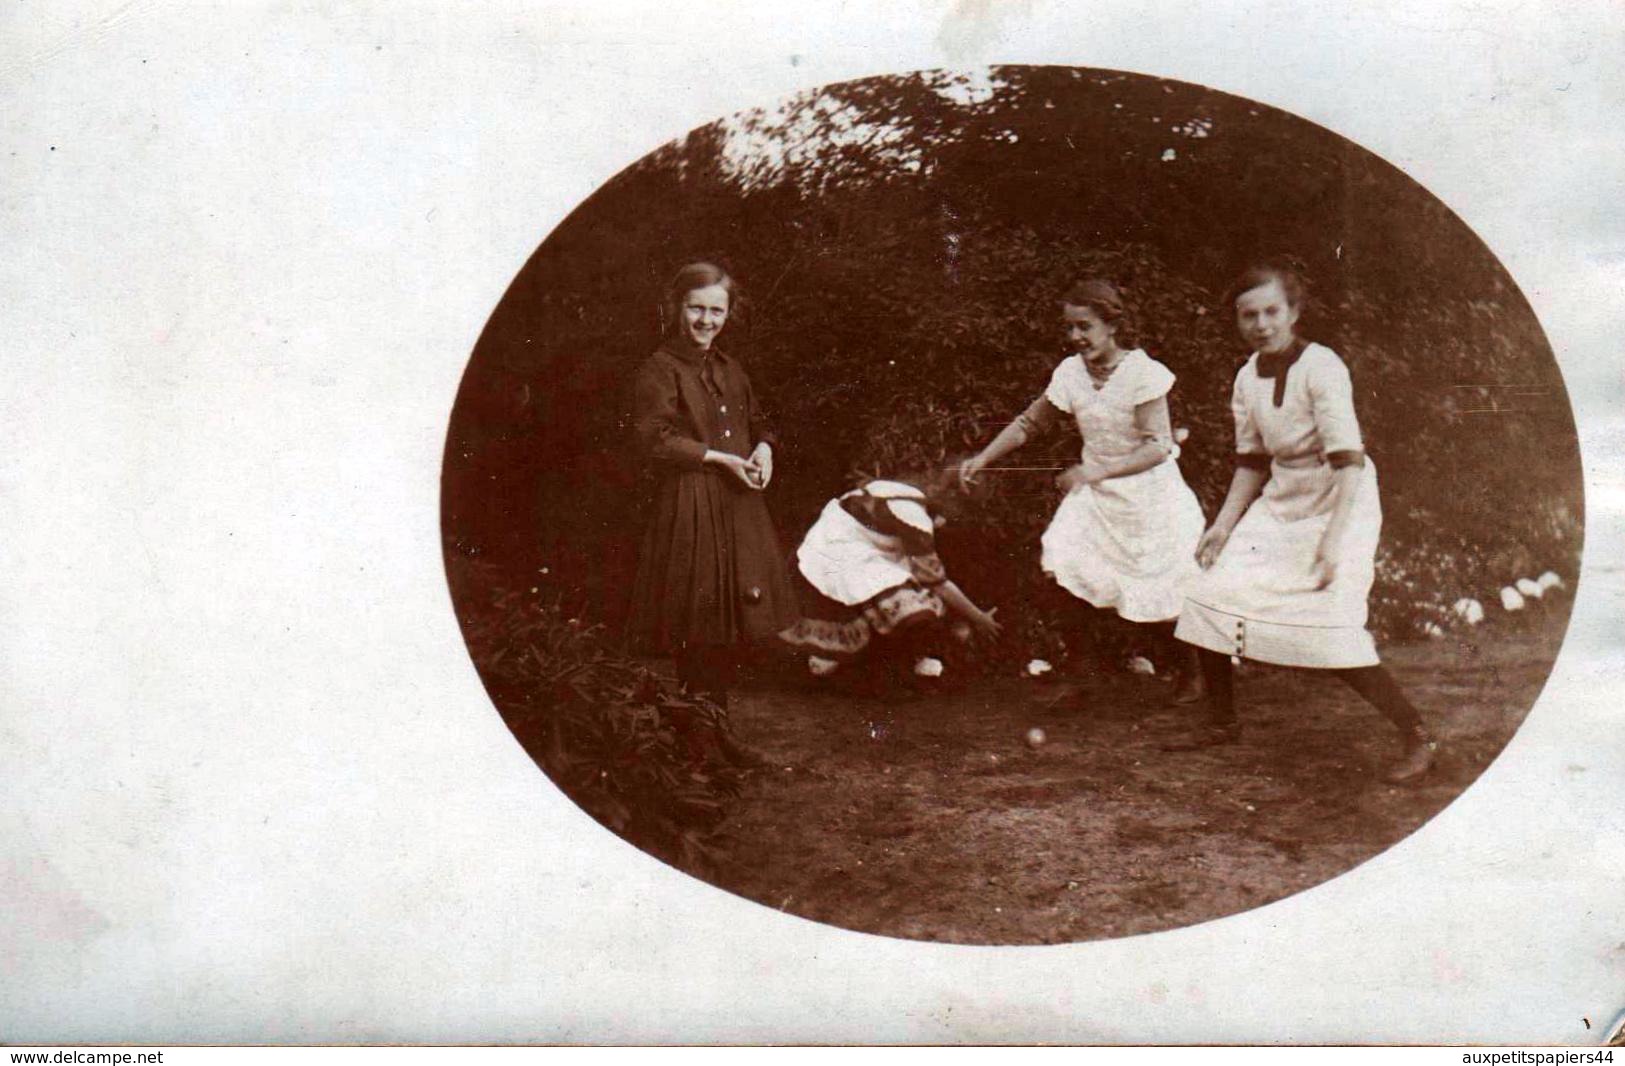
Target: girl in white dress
{"points": [[1290, 558], [1124, 536]]}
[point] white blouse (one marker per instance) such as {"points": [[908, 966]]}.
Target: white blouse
{"points": [[1316, 415], [1105, 414]]}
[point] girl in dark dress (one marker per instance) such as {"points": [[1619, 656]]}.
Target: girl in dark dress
{"points": [[711, 575]]}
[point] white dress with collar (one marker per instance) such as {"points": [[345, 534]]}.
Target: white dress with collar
{"points": [[1126, 543], [1258, 601]]}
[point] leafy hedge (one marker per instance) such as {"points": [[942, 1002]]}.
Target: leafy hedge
{"points": [[901, 242]]}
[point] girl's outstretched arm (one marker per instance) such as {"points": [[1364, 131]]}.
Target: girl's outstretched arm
{"points": [[961, 605], [1039, 416]]}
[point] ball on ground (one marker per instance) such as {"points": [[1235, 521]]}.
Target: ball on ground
{"points": [[1035, 737]]}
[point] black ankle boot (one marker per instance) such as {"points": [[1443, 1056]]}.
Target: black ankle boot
{"points": [[1417, 758]]}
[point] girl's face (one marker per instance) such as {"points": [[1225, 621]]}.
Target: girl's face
{"points": [[1088, 334], [703, 313], [1266, 317]]}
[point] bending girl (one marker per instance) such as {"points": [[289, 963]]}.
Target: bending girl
{"points": [[869, 573]]}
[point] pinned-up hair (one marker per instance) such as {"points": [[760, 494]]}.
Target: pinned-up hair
{"points": [[1105, 300], [698, 275], [1288, 270]]}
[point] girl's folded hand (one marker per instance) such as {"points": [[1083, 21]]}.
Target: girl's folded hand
{"points": [[749, 474], [763, 458]]}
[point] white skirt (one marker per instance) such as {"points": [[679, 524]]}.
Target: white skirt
{"points": [[1127, 543], [1259, 601]]}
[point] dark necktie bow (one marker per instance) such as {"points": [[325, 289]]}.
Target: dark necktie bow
{"points": [[1276, 365]]}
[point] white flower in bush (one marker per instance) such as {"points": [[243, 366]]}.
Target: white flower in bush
{"points": [[1141, 665], [928, 667], [1433, 630], [819, 666], [1038, 668], [1469, 610], [1549, 580], [1510, 599], [1530, 589]]}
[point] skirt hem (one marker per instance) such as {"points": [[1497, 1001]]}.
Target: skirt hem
{"points": [[1277, 643]]}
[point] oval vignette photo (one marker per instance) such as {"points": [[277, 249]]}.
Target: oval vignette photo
{"points": [[1016, 506]]}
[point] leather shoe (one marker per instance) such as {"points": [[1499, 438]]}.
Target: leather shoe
{"points": [[1418, 758]]}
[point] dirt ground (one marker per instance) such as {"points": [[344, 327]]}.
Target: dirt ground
{"points": [[933, 819]]}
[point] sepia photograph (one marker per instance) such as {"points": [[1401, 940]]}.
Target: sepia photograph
{"points": [[1019, 505], [601, 522]]}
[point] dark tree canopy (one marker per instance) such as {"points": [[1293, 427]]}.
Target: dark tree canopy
{"points": [[901, 242]]}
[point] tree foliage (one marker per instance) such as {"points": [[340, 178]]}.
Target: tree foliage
{"points": [[901, 242]]}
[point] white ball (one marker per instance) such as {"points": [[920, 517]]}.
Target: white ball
{"points": [[928, 668], [1038, 668], [1511, 599], [1035, 737], [1141, 665], [1530, 588], [1469, 610], [1550, 580]]}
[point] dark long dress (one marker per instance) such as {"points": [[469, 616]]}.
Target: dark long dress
{"points": [[711, 571]]}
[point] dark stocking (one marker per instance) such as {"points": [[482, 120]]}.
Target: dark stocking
{"points": [[1378, 688], [1100, 626], [1220, 679], [1173, 655], [707, 671], [895, 654]]}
